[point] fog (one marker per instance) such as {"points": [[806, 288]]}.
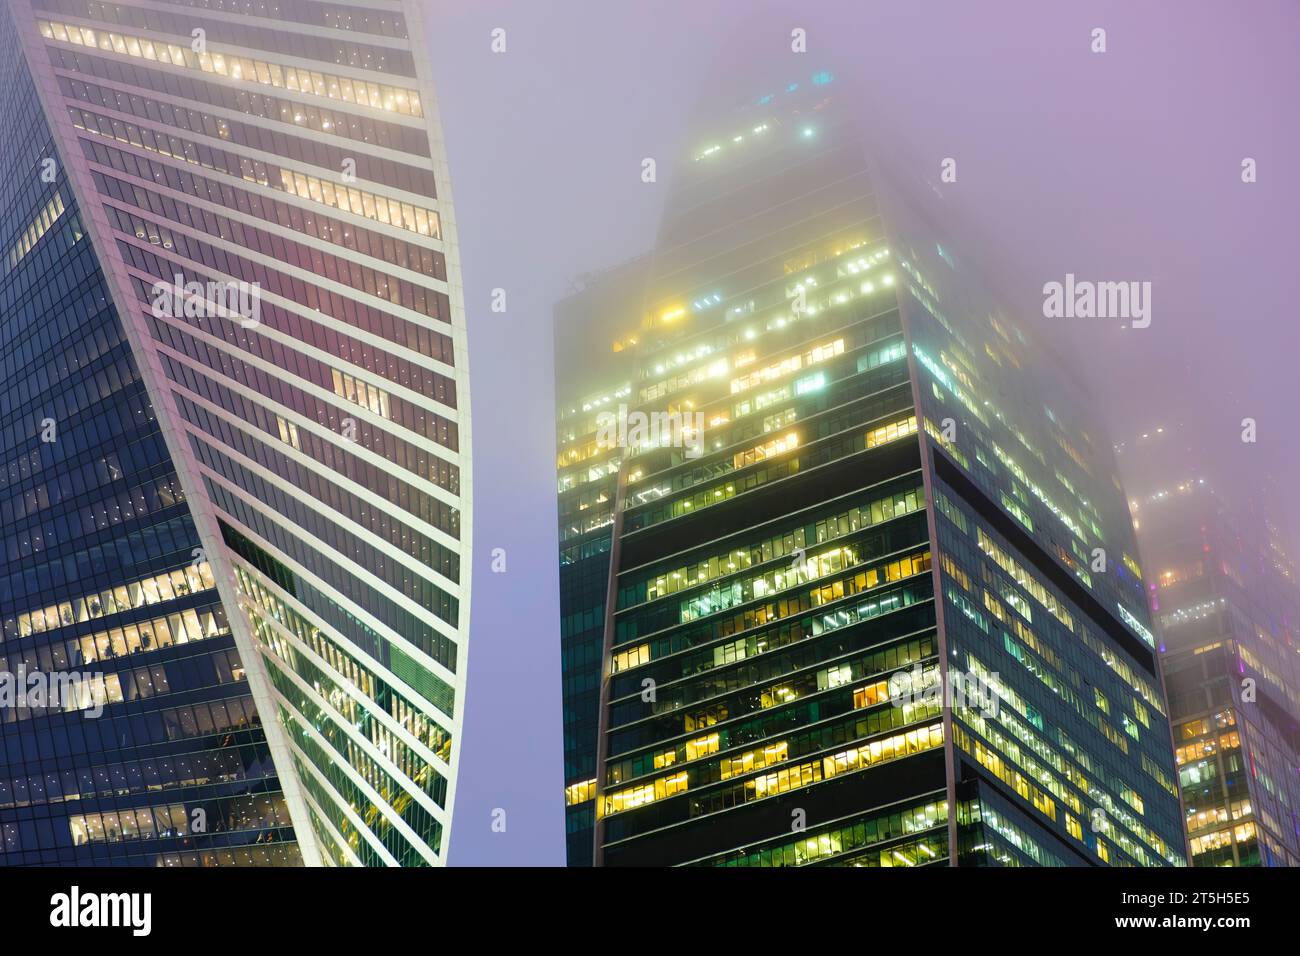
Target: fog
{"points": [[1117, 166]]}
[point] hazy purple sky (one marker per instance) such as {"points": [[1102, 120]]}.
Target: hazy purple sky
{"points": [[1116, 166]]}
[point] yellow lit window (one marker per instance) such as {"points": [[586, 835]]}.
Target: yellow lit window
{"points": [[576, 793], [637, 796], [769, 449], [891, 432], [755, 759], [702, 746], [665, 758], [632, 657], [870, 695]]}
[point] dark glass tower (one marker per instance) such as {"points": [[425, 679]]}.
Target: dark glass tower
{"points": [[851, 490], [262, 187], [1223, 590]]}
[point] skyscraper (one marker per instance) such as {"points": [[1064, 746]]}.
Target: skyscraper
{"points": [[1224, 594], [253, 401], [591, 379], [872, 596]]}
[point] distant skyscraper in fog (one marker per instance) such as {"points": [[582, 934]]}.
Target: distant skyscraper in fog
{"points": [[1227, 609], [231, 288], [848, 489]]}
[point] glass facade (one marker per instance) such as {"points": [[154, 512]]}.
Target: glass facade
{"points": [[587, 486], [128, 733], [262, 187], [1223, 591], [854, 612], [1041, 586]]}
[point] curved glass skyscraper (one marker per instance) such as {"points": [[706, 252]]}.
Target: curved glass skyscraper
{"points": [[235, 436]]}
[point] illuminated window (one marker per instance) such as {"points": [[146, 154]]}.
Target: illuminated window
{"points": [[891, 432], [378, 96], [32, 234], [632, 657], [769, 449], [702, 746], [576, 793], [637, 796]]}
